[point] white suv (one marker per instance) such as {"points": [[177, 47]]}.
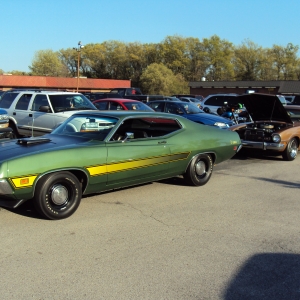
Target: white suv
{"points": [[213, 102], [35, 113]]}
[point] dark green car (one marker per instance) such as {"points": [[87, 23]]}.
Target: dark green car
{"points": [[95, 151]]}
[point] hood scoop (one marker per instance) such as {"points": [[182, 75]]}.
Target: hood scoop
{"points": [[32, 141]]}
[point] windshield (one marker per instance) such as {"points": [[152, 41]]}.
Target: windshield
{"points": [[189, 108], [137, 106], [65, 102], [87, 126]]}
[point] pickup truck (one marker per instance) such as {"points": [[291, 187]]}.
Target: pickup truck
{"points": [[133, 93]]}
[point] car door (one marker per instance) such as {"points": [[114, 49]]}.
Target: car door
{"points": [[21, 114], [136, 160], [41, 122]]}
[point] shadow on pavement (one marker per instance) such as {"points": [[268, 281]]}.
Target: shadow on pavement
{"points": [[268, 276]]}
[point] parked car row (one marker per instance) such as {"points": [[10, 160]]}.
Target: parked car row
{"points": [[94, 151], [79, 148]]}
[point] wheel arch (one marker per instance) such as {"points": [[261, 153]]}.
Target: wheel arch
{"points": [[212, 155], [79, 173], [13, 124]]}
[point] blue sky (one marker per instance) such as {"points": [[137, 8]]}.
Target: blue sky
{"points": [[30, 25]]}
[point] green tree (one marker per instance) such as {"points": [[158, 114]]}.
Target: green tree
{"points": [[218, 56], [247, 61], [197, 64], [94, 58], [157, 79], [284, 61], [174, 55], [47, 63]]}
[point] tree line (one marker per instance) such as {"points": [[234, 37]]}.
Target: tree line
{"points": [[167, 67]]}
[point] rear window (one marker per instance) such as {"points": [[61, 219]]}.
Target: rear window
{"points": [[7, 99]]}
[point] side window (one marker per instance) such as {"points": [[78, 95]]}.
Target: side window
{"points": [[157, 106], [115, 106], [232, 100], [172, 108], [215, 101], [7, 99], [101, 105], [141, 128], [23, 102], [39, 100]]}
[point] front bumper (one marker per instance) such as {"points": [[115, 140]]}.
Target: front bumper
{"points": [[263, 145]]}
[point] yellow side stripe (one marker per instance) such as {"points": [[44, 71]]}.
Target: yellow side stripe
{"points": [[135, 164]]}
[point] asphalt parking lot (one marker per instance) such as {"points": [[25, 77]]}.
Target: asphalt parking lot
{"points": [[237, 237]]}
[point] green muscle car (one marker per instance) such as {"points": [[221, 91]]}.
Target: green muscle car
{"points": [[95, 151]]}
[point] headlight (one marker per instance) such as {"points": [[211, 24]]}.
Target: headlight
{"points": [[4, 117], [220, 124], [276, 138]]}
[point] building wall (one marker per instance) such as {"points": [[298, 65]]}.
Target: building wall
{"points": [[209, 91], [61, 83]]}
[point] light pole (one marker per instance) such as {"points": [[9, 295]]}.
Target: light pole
{"points": [[78, 49]]}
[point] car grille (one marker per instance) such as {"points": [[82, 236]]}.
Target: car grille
{"points": [[257, 136]]}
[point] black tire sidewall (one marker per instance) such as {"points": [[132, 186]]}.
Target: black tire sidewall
{"points": [[42, 198]]}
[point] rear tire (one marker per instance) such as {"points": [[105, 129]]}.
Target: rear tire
{"points": [[199, 170], [57, 195]]}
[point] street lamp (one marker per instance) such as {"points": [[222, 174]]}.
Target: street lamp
{"points": [[78, 49]]}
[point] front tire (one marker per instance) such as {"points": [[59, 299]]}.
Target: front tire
{"points": [[57, 195], [291, 150], [199, 170]]}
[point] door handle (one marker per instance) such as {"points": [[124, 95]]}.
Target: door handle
{"points": [[30, 115], [162, 142]]}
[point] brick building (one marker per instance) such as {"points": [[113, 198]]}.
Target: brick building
{"points": [[205, 88]]}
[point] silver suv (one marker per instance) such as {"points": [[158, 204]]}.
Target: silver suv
{"points": [[35, 113], [213, 102]]}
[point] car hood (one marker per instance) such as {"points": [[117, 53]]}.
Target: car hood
{"points": [[262, 107], [207, 119], [46, 143]]}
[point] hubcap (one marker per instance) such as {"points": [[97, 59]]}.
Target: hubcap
{"points": [[59, 194], [200, 168], [293, 149]]}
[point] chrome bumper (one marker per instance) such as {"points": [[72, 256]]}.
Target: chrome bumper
{"points": [[263, 145]]}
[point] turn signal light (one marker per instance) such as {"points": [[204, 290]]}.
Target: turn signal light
{"points": [[24, 181]]}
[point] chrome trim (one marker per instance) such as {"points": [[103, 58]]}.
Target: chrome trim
{"points": [[5, 188], [262, 145]]}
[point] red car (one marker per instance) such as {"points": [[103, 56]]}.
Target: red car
{"points": [[120, 104]]}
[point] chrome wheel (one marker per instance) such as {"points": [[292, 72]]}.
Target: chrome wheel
{"points": [[200, 168], [59, 195], [291, 150]]}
